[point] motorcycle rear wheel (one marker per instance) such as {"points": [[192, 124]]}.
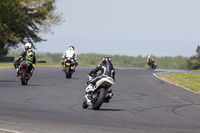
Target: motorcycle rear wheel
{"points": [[101, 95], [23, 78], [68, 74]]}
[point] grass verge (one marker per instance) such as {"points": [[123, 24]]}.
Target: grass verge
{"points": [[195, 70], [6, 65], [190, 81]]}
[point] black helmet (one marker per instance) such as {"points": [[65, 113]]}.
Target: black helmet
{"points": [[106, 58]]}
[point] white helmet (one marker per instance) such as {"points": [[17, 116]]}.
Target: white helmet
{"points": [[71, 47], [28, 45]]}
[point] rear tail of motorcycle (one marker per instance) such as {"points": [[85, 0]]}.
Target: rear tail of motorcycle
{"points": [[24, 74]]}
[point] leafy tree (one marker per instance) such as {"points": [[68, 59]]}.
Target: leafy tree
{"points": [[198, 51], [22, 20]]}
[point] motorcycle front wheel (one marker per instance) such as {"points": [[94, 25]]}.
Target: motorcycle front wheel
{"points": [[98, 102]]}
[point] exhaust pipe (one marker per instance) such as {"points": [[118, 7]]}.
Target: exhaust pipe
{"points": [[110, 95]]}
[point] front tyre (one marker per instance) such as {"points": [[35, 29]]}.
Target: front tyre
{"points": [[101, 95], [23, 78]]}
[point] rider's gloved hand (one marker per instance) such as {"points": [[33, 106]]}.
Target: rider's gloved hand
{"points": [[91, 73], [16, 60]]}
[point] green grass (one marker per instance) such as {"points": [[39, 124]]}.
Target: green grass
{"points": [[190, 81], [6, 65], [195, 70], [47, 64]]}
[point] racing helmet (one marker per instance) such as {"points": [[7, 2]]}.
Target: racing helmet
{"points": [[28, 46], [71, 47], [106, 58]]}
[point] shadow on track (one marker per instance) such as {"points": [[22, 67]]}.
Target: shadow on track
{"points": [[108, 109], [34, 85], [76, 78]]}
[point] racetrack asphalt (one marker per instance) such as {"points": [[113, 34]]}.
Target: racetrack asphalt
{"points": [[50, 103]]}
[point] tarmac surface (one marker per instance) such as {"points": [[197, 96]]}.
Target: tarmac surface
{"points": [[50, 103]]}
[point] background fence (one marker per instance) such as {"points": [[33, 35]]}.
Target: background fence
{"points": [[7, 59]]}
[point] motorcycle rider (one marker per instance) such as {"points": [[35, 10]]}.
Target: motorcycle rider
{"points": [[150, 60], [27, 55], [72, 54], [106, 68]]}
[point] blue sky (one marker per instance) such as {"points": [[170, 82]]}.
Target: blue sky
{"points": [[126, 27]]}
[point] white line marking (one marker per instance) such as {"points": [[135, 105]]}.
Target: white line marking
{"points": [[174, 83], [5, 130]]}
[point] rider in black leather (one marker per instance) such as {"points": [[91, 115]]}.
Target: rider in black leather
{"points": [[106, 68], [27, 55]]}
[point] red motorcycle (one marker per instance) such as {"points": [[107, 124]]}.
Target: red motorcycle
{"points": [[153, 65]]}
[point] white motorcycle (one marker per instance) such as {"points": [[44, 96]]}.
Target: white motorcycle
{"points": [[96, 94]]}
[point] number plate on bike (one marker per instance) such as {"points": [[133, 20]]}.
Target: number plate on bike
{"points": [[67, 63]]}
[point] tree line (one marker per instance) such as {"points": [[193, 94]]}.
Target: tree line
{"points": [[92, 59], [167, 62]]}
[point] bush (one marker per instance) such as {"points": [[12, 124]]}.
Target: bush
{"points": [[193, 62]]}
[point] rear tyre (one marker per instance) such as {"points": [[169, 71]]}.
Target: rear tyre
{"points": [[23, 78], [101, 95], [67, 72], [153, 66]]}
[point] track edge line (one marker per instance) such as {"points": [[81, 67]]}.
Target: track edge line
{"points": [[10, 131]]}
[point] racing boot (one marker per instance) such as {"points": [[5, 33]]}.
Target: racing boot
{"points": [[31, 73], [63, 69], [17, 72]]}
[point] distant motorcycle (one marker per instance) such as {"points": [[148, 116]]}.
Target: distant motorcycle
{"points": [[69, 65], [24, 73], [153, 65], [95, 95]]}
